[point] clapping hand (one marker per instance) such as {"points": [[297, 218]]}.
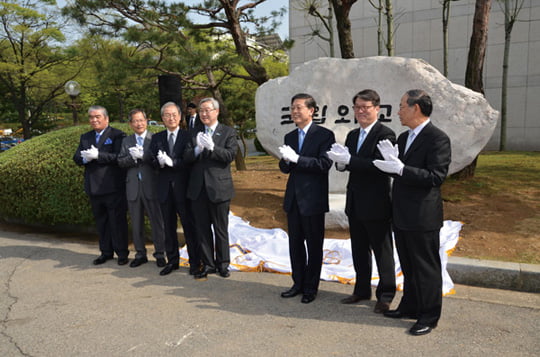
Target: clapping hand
{"points": [[136, 152], [387, 149], [90, 154], [392, 166], [288, 153], [199, 141], [339, 154], [206, 141], [164, 159]]}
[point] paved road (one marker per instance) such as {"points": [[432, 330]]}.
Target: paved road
{"points": [[54, 302]]}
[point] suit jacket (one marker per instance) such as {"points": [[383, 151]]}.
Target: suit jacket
{"points": [[416, 195], [213, 168], [103, 175], [308, 179], [144, 166], [368, 187], [199, 126], [177, 174]]}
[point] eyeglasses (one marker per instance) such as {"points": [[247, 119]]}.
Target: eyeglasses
{"points": [[206, 111], [298, 107], [362, 108], [170, 115]]}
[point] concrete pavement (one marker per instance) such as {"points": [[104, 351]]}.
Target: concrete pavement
{"points": [[54, 302]]}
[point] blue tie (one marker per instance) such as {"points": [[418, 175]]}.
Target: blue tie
{"points": [[361, 139], [140, 140], [301, 136], [98, 135], [410, 140]]}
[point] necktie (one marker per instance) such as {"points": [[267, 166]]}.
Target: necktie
{"points": [[301, 136], [192, 122], [361, 139], [98, 135], [139, 142], [209, 131], [410, 139], [171, 143]]}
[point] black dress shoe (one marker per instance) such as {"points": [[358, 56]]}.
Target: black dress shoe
{"points": [[101, 259], [307, 298], [397, 314], [168, 269], [381, 307], [224, 273], [123, 261], [138, 261], [420, 329], [292, 292], [353, 299], [201, 275], [160, 262]]}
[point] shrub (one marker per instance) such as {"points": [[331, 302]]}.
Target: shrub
{"points": [[40, 185]]}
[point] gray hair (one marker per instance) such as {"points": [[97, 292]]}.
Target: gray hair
{"points": [[214, 102], [100, 108], [168, 104]]}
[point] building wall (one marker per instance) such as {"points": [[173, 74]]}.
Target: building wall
{"points": [[418, 34]]}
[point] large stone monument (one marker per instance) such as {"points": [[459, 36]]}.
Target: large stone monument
{"points": [[463, 114]]}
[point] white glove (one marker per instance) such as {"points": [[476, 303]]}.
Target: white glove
{"points": [[165, 159], [136, 152], [339, 148], [387, 149], [207, 142], [288, 153], [339, 153], [199, 142], [340, 167], [392, 166], [90, 154]]}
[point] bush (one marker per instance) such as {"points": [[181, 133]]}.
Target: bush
{"points": [[40, 185]]}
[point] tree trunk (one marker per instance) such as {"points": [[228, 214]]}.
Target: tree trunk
{"points": [[389, 28], [475, 64], [342, 9], [510, 17], [256, 70], [477, 47], [445, 17]]}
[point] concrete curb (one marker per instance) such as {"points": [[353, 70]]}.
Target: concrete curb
{"points": [[495, 274]]}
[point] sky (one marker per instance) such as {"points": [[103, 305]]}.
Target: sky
{"points": [[263, 9], [270, 5]]}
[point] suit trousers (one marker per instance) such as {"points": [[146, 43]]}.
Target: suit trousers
{"points": [[306, 268], [214, 215], [137, 209], [170, 209], [421, 265], [110, 214], [368, 235]]}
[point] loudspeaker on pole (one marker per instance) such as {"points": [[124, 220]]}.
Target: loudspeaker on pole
{"points": [[170, 90]]}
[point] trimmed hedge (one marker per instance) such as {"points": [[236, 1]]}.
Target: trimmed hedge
{"points": [[40, 185]]}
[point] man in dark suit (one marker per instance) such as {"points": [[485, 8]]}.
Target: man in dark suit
{"points": [[141, 178], [211, 152], [193, 119], [167, 149], [104, 184], [368, 204], [419, 164], [304, 158]]}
